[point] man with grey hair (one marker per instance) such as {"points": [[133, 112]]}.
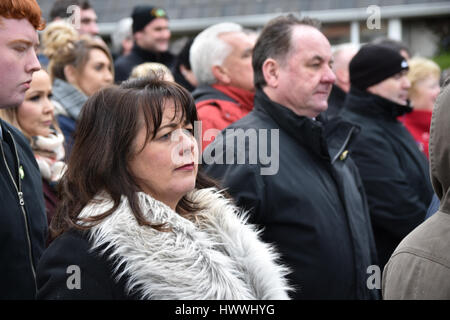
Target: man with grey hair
{"points": [[221, 59], [342, 54], [313, 206], [122, 38]]}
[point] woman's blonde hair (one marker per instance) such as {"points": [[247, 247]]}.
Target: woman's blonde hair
{"points": [[420, 69], [152, 68], [10, 116], [64, 46]]}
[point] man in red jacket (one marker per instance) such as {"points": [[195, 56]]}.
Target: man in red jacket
{"points": [[221, 59]]}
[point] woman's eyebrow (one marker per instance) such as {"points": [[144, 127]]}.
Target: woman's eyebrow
{"points": [[169, 125]]}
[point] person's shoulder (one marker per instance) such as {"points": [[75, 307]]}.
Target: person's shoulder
{"points": [[22, 143], [76, 241], [252, 120], [18, 136], [124, 60], [419, 268], [426, 238]]}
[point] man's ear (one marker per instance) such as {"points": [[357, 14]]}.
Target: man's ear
{"points": [[271, 71], [71, 74], [137, 36], [220, 73]]}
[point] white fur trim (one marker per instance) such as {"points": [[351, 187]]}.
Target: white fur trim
{"points": [[218, 256]]}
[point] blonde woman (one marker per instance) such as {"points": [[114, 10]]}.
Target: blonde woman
{"points": [[35, 119], [78, 67], [424, 76]]}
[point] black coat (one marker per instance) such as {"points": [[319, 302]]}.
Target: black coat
{"points": [[336, 102], [393, 169], [23, 228], [313, 209], [125, 64], [96, 281]]}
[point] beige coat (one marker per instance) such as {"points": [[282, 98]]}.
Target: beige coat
{"points": [[420, 266]]}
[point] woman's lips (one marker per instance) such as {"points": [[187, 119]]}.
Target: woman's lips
{"points": [[27, 84], [186, 167]]}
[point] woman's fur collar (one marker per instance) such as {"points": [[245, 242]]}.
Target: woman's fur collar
{"points": [[217, 256]]}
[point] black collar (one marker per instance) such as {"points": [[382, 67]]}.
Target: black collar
{"points": [[364, 102], [162, 57], [326, 139], [306, 131]]}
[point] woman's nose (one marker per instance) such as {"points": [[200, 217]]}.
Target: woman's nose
{"points": [[187, 142], [48, 106]]}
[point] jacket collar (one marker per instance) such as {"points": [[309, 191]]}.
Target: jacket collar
{"points": [[212, 255], [327, 139], [364, 102], [243, 97], [146, 55], [306, 131], [337, 94], [419, 119], [69, 97]]}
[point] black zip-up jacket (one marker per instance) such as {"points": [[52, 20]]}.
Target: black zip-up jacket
{"points": [[394, 171], [313, 208], [23, 223], [125, 64]]}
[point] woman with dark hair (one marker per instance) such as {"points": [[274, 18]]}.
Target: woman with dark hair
{"points": [[137, 221]]}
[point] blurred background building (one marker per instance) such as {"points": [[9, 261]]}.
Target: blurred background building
{"points": [[423, 25]]}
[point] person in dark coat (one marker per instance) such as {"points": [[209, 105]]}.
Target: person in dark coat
{"points": [[23, 223], [393, 169], [137, 221], [182, 71], [342, 55], [292, 172], [151, 35]]}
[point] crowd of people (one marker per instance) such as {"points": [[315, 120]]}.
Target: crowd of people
{"points": [[250, 166]]}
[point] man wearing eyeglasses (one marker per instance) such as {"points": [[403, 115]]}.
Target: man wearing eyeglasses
{"points": [[151, 41]]}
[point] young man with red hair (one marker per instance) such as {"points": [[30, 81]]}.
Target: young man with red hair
{"points": [[23, 224]]}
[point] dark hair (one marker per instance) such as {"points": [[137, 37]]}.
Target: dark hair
{"points": [[59, 8], [183, 56], [275, 42], [108, 125], [392, 44], [22, 9]]}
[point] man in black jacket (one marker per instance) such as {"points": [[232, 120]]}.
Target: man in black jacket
{"points": [[393, 169], [292, 172], [23, 224], [151, 41]]}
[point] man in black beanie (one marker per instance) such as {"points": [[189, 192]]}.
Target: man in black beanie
{"points": [[393, 169], [151, 41]]}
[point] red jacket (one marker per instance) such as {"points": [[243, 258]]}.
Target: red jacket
{"points": [[418, 124], [219, 106]]}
